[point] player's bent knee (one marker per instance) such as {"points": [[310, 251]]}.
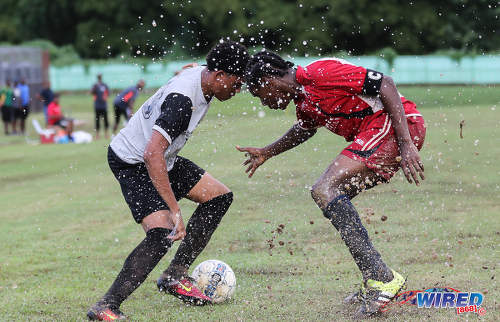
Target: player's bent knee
{"points": [[223, 190], [224, 200], [159, 219], [335, 210], [212, 211], [319, 193], [159, 236]]}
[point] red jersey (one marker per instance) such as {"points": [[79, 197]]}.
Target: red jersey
{"points": [[54, 113], [340, 96]]}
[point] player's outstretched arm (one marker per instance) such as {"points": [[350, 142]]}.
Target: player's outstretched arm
{"points": [[154, 159], [411, 164], [257, 156]]}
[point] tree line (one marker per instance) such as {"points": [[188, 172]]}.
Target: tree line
{"points": [[184, 29]]}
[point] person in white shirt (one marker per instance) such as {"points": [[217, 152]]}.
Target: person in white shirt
{"points": [[143, 157]]}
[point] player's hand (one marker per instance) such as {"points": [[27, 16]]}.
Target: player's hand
{"points": [[256, 157], [179, 231], [411, 164]]}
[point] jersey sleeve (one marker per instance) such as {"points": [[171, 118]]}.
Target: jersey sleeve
{"points": [[372, 82], [305, 121], [176, 111], [340, 74]]}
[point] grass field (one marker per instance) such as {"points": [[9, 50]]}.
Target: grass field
{"points": [[66, 229]]}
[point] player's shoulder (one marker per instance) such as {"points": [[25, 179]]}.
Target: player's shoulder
{"points": [[187, 83], [326, 64], [169, 96]]}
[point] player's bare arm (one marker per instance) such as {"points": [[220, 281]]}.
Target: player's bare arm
{"points": [[155, 163], [411, 164], [295, 136]]}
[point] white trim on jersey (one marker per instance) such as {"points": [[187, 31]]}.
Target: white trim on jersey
{"points": [[373, 101], [379, 136], [340, 60], [163, 132]]}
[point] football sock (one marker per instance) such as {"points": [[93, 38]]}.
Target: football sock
{"points": [[345, 218], [199, 229], [138, 265]]}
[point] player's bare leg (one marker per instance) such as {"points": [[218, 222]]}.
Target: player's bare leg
{"points": [[214, 199], [341, 182]]}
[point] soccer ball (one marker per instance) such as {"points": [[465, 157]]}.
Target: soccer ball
{"points": [[215, 279]]}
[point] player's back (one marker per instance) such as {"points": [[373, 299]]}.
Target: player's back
{"points": [[130, 143]]}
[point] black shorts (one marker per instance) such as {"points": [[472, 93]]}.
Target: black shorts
{"points": [[7, 114], [138, 190], [22, 112]]}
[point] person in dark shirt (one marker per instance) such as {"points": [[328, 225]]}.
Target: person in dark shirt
{"points": [[46, 95], [100, 91], [124, 103]]}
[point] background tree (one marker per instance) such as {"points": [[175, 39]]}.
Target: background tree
{"points": [[181, 29]]}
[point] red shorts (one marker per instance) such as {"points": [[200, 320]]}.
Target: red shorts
{"points": [[376, 144]]}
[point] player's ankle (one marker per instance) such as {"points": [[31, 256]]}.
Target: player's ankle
{"points": [[381, 274], [175, 272]]}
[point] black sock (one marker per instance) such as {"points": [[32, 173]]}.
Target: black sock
{"points": [[200, 228], [345, 218], [138, 265]]}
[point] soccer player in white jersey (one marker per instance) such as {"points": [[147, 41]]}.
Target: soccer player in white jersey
{"points": [[153, 178]]}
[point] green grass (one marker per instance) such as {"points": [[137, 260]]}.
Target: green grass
{"points": [[66, 229]]}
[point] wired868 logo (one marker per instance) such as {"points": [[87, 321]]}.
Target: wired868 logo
{"points": [[446, 297]]}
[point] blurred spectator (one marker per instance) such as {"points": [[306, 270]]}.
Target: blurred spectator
{"points": [[46, 96], [56, 117], [21, 113], [124, 103], [6, 104], [100, 91], [16, 104]]}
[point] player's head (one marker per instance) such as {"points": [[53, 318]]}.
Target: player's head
{"points": [[264, 77], [99, 77], [8, 83], [56, 98], [227, 61], [141, 84]]}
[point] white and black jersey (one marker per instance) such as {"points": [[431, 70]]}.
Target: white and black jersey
{"points": [[175, 111]]}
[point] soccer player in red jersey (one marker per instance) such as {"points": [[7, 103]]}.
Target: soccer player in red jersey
{"points": [[386, 132]]}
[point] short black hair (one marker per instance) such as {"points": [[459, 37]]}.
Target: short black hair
{"points": [[228, 56], [265, 63]]}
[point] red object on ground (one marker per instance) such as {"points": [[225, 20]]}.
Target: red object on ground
{"points": [[187, 292], [47, 139]]}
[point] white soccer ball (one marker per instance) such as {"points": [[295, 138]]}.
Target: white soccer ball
{"points": [[215, 279]]}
